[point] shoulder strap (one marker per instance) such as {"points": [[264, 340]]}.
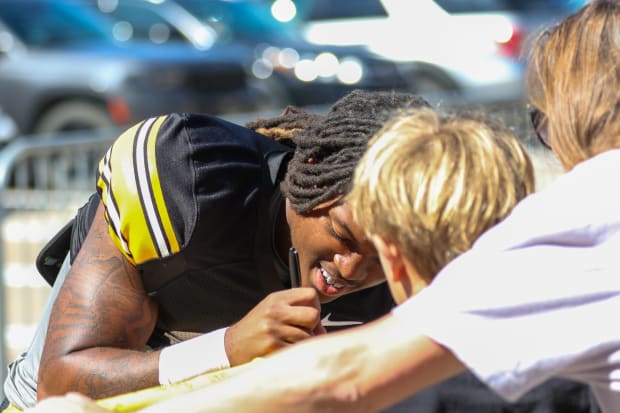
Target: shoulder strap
{"points": [[270, 204], [52, 255], [67, 240]]}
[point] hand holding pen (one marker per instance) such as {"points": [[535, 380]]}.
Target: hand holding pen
{"points": [[293, 315], [295, 276]]}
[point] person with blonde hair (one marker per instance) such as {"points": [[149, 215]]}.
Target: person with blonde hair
{"points": [[573, 82], [430, 185], [535, 298]]}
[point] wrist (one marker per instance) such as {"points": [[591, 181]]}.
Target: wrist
{"points": [[193, 357]]}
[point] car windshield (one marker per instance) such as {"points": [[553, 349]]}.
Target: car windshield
{"points": [[460, 6], [53, 23], [238, 19], [329, 9]]}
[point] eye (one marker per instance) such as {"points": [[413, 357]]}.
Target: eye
{"points": [[341, 238]]}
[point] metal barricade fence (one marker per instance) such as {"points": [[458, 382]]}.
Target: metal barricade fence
{"points": [[43, 180]]}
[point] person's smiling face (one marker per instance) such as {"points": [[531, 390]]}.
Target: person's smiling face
{"points": [[334, 255]]}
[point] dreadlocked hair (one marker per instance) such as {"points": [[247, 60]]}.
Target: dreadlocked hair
{"points": [[282, 128], [327, 153]]}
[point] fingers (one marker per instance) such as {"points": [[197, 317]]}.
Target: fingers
{"points": [[297, 296], [292, 334], [319, 329], [299, 307], [301, 316], [282, 318]]}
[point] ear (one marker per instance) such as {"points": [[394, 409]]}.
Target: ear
{"points": [[391, 256]]}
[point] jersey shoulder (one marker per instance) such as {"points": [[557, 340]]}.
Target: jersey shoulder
{"points": [[162, 174]]}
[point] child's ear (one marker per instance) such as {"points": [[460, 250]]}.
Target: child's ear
{"points": [[391, 257]]}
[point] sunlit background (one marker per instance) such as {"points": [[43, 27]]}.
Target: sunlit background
{"points": [[73, 73]]}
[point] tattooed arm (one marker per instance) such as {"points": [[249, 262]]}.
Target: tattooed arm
{"points": [[99, 325]]}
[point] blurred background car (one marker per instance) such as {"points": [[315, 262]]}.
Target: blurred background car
{"points": [[61, 70], [475, 47], [516, 22], [281, 61]]}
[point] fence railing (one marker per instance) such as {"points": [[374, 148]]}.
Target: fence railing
{"points": [[42, 181]]}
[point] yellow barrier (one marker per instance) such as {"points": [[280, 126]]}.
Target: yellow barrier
{"points": [[11, 409], [130, 402], [133, 401]]}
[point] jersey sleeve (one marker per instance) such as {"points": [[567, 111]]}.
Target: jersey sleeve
{"points": [[131, 191]]}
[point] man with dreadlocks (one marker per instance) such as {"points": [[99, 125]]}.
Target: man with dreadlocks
{"points": [[178, 264]]}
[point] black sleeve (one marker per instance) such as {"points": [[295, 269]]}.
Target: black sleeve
{"points": [[68, 239], [82, 222]]}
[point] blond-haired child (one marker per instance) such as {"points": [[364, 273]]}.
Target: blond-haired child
{"points": [[429, 185]]}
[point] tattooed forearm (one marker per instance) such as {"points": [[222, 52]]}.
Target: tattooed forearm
{"points": [[122, 371], [99, 326]]}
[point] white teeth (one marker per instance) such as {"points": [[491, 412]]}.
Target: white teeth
{"points": [[329, 280], [328, 277]]}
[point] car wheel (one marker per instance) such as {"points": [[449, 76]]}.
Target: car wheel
{"points": [[73, 115]]}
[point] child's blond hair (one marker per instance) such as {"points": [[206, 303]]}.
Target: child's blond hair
{"points": [[433, 184]]}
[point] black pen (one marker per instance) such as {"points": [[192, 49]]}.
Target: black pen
{"points": [[293, 267]]}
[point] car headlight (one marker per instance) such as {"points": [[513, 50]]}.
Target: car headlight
{"points": [[272, 59], [327, 67], [324, 67], [350, 71], [107, 77], [305, 70]]}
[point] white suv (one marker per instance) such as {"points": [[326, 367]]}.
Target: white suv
{"points": [[472, 47]]}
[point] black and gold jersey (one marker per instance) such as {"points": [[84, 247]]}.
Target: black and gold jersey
{"points": [[192, 201]]}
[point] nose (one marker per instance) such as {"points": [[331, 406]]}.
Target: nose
{"points": [[352, 266]]}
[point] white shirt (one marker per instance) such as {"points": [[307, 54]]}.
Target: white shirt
{"points": [[538, 295]]}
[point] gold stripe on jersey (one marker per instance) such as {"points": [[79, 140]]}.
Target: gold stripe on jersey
{"points": [[104, 186], [130, 188], [157, 192], [142, 172]]}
